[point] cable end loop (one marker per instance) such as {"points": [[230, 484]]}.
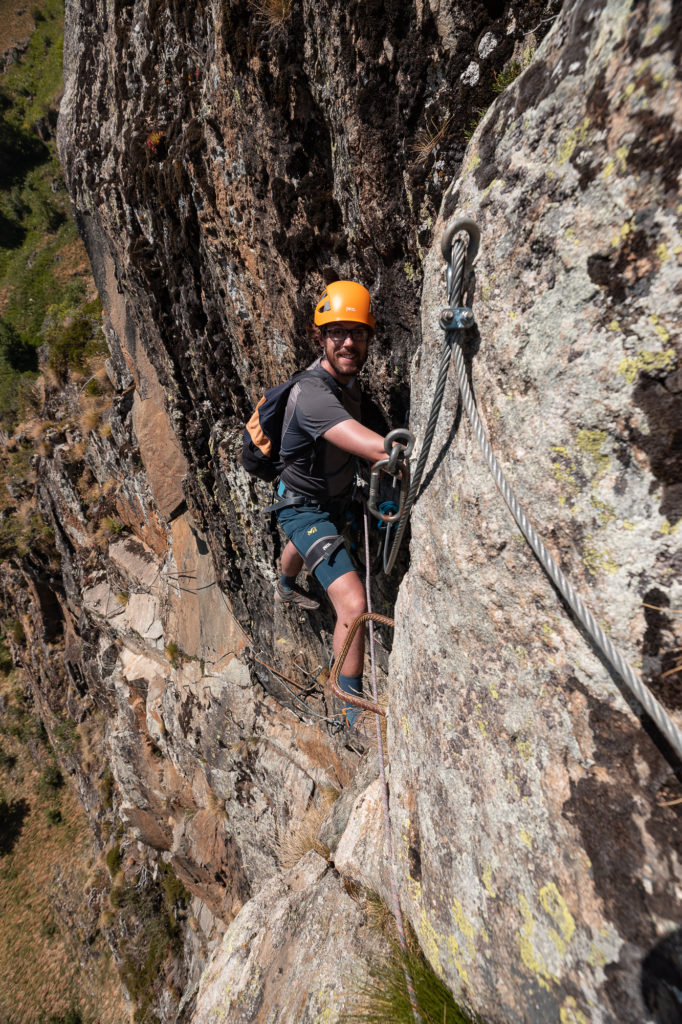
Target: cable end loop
{"points": [[453, 228]]}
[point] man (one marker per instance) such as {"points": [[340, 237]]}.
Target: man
{"points": [[321, 436]]}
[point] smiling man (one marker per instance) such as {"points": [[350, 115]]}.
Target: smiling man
{"points": [[321, 438]]}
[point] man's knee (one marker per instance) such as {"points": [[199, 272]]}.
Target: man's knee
{"points": [[348, 597]]}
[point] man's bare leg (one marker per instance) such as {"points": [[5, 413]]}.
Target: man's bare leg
{"points": [[292, 563], [347, 594], [286, 591]]}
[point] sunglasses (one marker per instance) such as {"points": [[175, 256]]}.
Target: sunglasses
{"points": [[339, 334]]}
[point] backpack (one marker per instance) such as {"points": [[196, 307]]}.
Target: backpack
{"points": [[263, 432]]}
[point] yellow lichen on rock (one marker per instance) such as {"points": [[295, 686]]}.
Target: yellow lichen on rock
{"points": [[647, 362], [554, 904]]}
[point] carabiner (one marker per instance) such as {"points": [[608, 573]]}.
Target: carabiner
{"points": [[403, 474]]}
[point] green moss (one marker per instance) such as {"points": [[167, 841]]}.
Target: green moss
{"points": [[106, 788], [113, 859]]}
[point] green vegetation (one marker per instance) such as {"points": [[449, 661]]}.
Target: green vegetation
{"points": [[479, 114], [114, 526], [19, 719], [72, 1016], [106, 788], [155, 908], [113, 859], [173, 653], [507, 75], [50, 781], [383, 997], [72, 345], [503, 79], [6, 663], [41, 298], [24, 532], [45, 851]]}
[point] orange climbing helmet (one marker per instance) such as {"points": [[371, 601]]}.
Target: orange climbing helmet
{"points": [[344, 300]]}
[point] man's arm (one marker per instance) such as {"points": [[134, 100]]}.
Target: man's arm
{"points": [[351, 436]]}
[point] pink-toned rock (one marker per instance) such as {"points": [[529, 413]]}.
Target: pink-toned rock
{"points": [[136, 561], [199, 618]]}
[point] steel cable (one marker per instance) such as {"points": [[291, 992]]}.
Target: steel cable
{"points": [[455, 280]]}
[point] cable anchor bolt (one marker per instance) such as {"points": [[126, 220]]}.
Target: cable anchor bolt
{"points": [[457, 318]]}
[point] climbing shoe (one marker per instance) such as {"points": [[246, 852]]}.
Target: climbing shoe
{"points": [[296, 597], [361, 736]]}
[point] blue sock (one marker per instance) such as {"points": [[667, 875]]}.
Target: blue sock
{"points": [[286, 582], [352, 685]]}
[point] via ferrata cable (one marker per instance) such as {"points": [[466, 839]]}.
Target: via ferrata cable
{"points": [[463, 256], [656, 711]]}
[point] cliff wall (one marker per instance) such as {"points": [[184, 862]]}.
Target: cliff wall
{"points": [[225, 161]]}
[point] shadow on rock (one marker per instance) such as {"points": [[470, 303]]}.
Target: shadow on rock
{"points": [[11, 820], [661, 973]]}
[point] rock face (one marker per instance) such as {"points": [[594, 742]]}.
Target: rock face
{"points": [[224, 165], [265, 965], [549, 892]]}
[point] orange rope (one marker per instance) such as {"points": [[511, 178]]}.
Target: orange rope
{"points": [[358, 702]]}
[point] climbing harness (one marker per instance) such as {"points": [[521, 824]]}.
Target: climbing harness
{"points": [[456, 317], [452, 321]]}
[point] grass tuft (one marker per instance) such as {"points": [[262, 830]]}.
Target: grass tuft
{"points": [[429, 138], [303, 837], [273, 12], [174, 654], [383, 997]]}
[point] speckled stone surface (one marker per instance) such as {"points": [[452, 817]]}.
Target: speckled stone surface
{"points": [[533, 811]]}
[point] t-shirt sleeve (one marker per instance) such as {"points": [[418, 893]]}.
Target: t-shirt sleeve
{"points": [[317, 410]]}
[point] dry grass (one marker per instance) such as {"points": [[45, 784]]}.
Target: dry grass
{"points": [[379, 917], [39, 956], [215, 805], [303, 836], [273, 12], [429, 137], [89, 419], [16, 24]]}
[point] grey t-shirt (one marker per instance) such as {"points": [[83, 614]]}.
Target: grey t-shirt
{"points": [[313, 466]]}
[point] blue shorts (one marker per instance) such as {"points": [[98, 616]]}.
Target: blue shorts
{"points": [[304, 525]]}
